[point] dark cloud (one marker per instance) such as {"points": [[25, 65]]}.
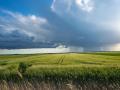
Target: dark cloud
{"points": [[78, 25]]}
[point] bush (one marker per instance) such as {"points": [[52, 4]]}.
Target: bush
{"points": [[22, 67]]}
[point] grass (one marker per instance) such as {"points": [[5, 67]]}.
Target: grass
{"points": [[101, 69]]}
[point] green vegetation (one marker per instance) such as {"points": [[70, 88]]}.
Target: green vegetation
{"points": [[23, 67], [75, 68]]}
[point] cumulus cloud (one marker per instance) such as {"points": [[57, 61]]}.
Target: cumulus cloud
{"points": [[96, 12], [24, 31], [86, 5], [95, 21], [68, 5], [31, 25]]}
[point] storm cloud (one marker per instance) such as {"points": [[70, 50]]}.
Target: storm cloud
{"points": [[89, 24]]}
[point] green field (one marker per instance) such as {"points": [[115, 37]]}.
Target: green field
{"points": [[75, 68]]}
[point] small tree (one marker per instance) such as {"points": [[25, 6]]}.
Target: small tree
{"points": [[22, 67]]}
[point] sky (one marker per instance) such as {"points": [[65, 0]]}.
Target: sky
{"points": [[87, 25]]}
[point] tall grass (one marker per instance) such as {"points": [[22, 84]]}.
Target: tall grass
{"points": [[63, 77]]}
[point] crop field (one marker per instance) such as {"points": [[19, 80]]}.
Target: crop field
{"points": [[68, 71]]}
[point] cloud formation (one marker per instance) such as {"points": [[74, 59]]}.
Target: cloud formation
{"points": [[84, 5], [75, 24], [94, 20], [30, 26]]}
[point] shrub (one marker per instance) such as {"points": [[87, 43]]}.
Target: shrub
{"points": [[22, 67]]}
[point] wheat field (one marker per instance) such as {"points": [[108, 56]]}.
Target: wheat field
{"points": [[68, 71]]}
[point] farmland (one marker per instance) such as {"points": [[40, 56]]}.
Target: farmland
{"points": [[69, 71]]}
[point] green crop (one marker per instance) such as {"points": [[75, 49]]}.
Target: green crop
{"points": [[100, 68]]}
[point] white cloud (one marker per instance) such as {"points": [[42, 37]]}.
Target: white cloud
{"points": [[86, 5], [31, 25], [67, 5]]}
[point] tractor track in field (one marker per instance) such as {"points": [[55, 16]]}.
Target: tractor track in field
{"points": [[61, 59]]}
